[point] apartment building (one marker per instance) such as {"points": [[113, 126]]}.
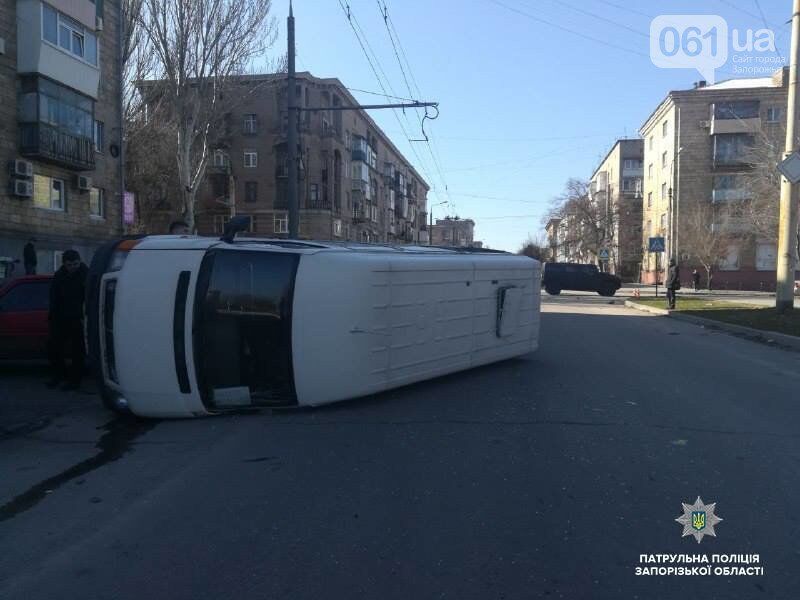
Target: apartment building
{"points": [[354, 184], [698, 148], [60, 134], [615, 190], [551, 229], [453, 231]]}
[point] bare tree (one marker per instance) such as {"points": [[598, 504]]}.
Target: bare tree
{"points": [[588, 221], [763, 184], [191, 51], [535, 247], [707, 232]]}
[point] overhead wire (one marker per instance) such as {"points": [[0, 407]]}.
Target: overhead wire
{"points": [[356, 27], [432, 149]]}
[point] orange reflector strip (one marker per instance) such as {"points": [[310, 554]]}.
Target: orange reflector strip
{"points": [[126, 245]]}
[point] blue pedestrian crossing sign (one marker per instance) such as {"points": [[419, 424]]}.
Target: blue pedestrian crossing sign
{"points": [[603, 254], [656, 244]]}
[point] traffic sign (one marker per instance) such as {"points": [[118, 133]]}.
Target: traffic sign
{"points": [[790, 167], [603, 254], [656, 244]]}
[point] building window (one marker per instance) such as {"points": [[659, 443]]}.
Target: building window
{"points": [[774, 114], [48, 193], [44, 101], [664, 128], [732, 149], [663, 160], [650, 171], [99, 135], [250, 126], [629, 184], [313, 193], [741, 109], [347, 140], [250, 191], [97, 202], [766, 256], [663, 222], [337, 228], [220, 158], [650, 143], [663, 191], [220, 221], [649, 229], [281, 223], [250, 159], [68, 35], [730, 262]]}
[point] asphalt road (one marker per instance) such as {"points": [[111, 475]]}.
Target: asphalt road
{"points": [[544, 477]]}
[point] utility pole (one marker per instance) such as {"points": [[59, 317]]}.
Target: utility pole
{"points": [[787, 226], [294, 125], [291, 133]]}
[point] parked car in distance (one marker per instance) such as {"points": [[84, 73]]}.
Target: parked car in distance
{"points": [[577, 277], [24, 304]]}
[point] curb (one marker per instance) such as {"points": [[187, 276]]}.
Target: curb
{"points": [[771, 338]]}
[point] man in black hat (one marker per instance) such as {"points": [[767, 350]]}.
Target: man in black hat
{"points": [[29, 257], [67, 293], [673, 283]]}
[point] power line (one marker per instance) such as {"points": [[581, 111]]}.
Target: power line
{"points": [[431, 148], [601, 18], [628, 9], [353, 22], [567, 29], [381, 94]]}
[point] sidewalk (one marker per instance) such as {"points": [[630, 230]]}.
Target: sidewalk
{"points": [[772, 338], [750, 297]]}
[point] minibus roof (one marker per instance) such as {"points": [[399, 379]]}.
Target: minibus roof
{"points": [[190, 242]]}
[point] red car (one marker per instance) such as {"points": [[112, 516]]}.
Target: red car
{"points": [[24, 303]]}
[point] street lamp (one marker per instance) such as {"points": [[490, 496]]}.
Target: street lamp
{"points": [[430, 215]]}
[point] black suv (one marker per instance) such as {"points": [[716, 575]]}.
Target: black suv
{"points": [[583, 278]]}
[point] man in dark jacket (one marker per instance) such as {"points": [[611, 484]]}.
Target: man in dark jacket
{"points": [[67, 293], [673, 282], [29, 257]]}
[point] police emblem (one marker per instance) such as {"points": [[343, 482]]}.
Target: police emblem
{"points": [[698, 519]]}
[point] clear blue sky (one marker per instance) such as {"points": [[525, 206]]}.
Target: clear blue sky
{"points": [[525, 104]]}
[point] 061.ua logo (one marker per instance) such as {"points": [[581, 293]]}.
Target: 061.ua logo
{"points": [[689, 41]]}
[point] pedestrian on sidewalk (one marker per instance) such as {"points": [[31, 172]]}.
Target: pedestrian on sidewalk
{"points": [[696, 280], [67, 293], [29, 257], [673, 283]]}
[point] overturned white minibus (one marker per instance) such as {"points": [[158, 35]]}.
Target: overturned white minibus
{"points": [[183, 326]]}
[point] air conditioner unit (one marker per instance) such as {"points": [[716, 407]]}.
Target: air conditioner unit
{"points": [[22, 188], [83, 183], [20, 168], [705, 124], [98, 24]]}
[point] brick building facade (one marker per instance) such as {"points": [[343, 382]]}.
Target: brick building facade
{"points": [[59, 127], [697, 149], [354, 184]]}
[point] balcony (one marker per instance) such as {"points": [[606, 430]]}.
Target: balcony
{"points": [[48, 143], [738, 116]]}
